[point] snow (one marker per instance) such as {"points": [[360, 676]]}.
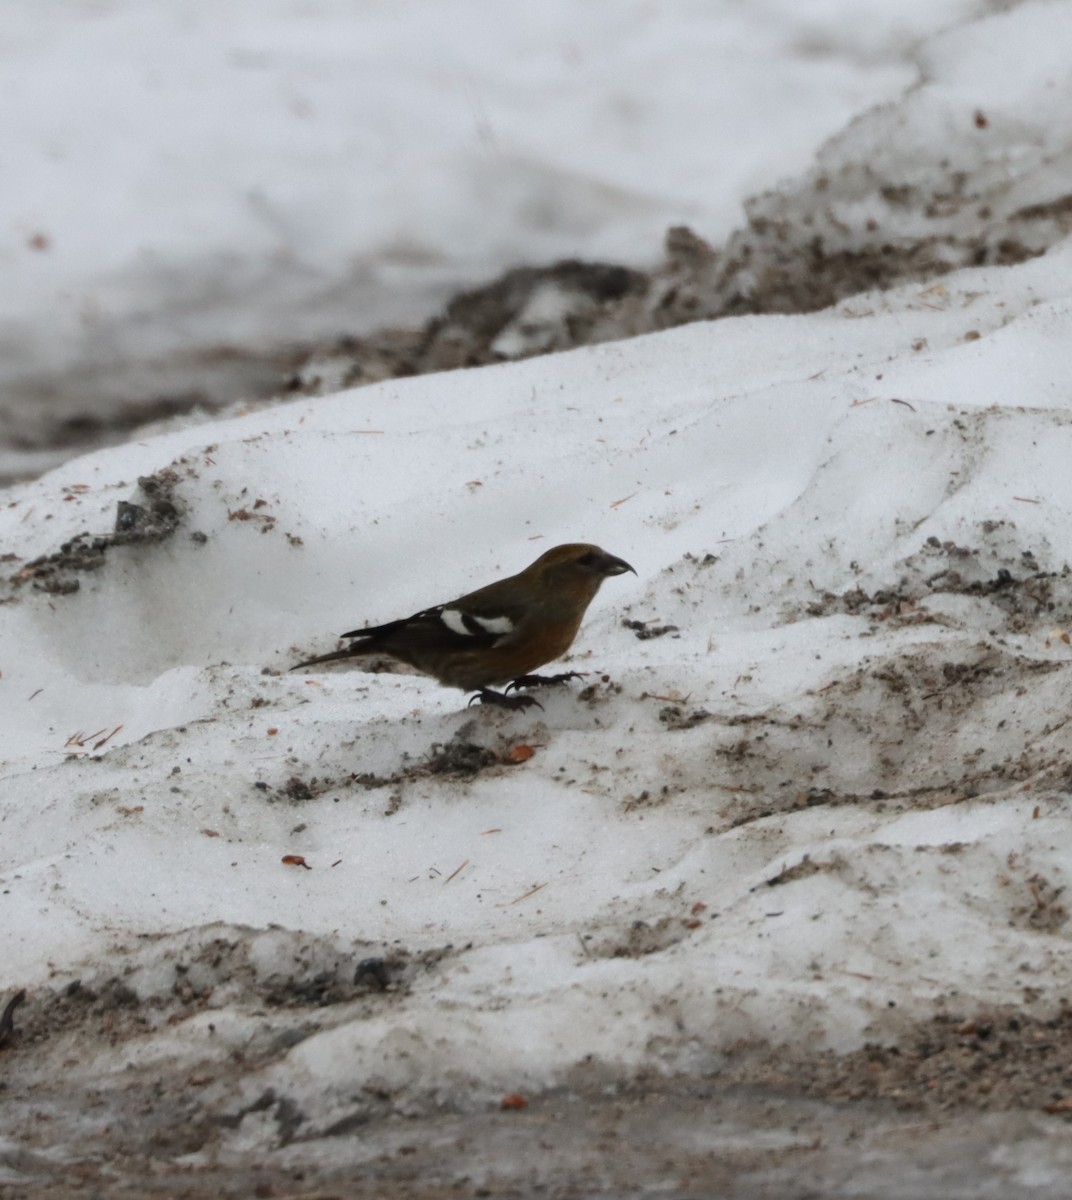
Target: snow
{"points": [[799, 817], [183, 181], [708, 445]]}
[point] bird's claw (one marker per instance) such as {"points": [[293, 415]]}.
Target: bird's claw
{"points": [[529, 681], [501, 700]]}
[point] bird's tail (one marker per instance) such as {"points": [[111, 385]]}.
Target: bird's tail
{"points": [[334, 656]]}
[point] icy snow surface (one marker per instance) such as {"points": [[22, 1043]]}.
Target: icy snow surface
{"points": [[754, 472], [183, 181], [830, 799]]}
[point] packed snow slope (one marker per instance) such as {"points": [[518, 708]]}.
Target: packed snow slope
{"points": [[813, 788], [189, 188], [820, 788]]}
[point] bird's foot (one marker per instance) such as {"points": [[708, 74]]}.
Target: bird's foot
{"points": [[501, 700], [531, 681]]}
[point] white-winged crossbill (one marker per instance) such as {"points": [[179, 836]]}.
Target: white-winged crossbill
{"points": [[499, 633]]}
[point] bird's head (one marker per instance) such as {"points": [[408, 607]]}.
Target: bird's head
{"points": [[577, 569]]}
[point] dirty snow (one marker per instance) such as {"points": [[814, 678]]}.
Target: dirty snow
{"points": [[814, 791], [856, 702], [189, 188]]}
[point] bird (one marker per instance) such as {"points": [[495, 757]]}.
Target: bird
{"points": [[498, 634]]}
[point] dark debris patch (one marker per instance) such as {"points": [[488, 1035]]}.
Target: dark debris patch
{"points": [[1019, 586], [111, 1002], [318, 990], [460, 758], [373, 973], [640, 940], [1044, 910], [297, 789], [995, 1061], [648, 629], [803, 869], [154, 515], [490, 323], [317, 980], [674, 716], [158, 515]]}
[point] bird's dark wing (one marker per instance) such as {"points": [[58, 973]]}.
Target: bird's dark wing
{"points": [[444, 627], [375, 631]]}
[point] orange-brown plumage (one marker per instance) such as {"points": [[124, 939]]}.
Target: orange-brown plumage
{"points": [[499, 633]]}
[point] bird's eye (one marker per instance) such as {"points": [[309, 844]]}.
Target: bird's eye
{"points": [[587, 560]]}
